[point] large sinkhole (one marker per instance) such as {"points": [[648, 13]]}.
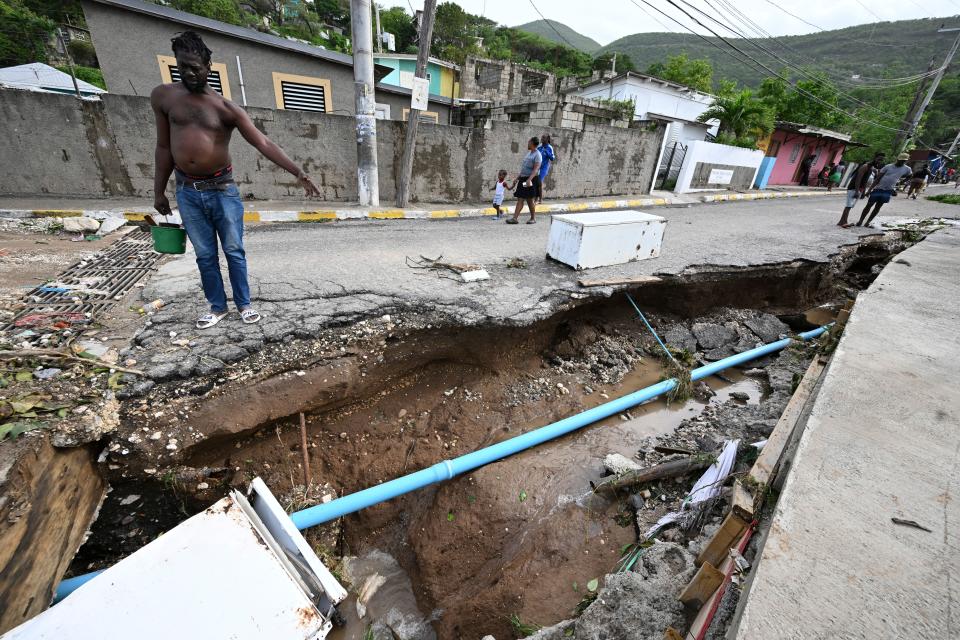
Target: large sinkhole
{"points": [[519, 539]]}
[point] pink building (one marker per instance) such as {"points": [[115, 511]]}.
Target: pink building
{"points": [[790, 143]]}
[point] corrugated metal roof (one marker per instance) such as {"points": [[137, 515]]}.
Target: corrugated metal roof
{"points": [[36, 76]]}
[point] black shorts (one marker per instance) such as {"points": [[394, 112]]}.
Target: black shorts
{"points": [[524, 192]]}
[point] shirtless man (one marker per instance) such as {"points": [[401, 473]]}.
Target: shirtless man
{"points": [[194, 124]]}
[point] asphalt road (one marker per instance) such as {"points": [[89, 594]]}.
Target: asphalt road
{"points": [[312, 273]]}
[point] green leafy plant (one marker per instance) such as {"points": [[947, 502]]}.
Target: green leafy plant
{"points": [[15, 428], [948, 198], [523, 629]]}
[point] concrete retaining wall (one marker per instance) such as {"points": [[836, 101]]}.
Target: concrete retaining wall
{"points": [[61, 146]]}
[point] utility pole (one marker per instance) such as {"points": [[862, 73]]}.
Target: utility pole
{"points": [[368, 180], [953, 146], [66, 52], [912, 129], [900, 140], [413, 118], [613, 73], [376, 11]]}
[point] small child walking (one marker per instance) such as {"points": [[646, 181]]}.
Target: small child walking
{"points": [[499, 189]]}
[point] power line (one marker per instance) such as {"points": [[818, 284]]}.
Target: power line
{"points": [[789, 64], [822, 30], [869, 10], [761, 66], [550, 24], [869, 83]]}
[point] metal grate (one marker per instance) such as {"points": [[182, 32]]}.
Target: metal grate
{"points": [[104, 278], [213, 79], [303, 97]]}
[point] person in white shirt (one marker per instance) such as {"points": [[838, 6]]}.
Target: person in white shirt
{"points": [[499, 190], [884, 187]]}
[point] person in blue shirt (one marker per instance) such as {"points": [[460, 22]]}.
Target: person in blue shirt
{"points": [[546, 152]]}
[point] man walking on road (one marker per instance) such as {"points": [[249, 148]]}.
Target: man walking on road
{"points": [[194, 125], [857, 186], [885, 186]]}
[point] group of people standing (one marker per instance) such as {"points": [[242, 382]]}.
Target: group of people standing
{"points": [[876, 182], [528, 185]]}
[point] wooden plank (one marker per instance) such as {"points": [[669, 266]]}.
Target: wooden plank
{"points": [[766, 464], [587, 282], [698, 629], [704, 583], [52, 497], [670, 469], [742, 501], [716, 550]]}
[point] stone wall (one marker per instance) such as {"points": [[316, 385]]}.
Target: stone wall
{"points": [[558, 111], [62, 146], [492, 80]]}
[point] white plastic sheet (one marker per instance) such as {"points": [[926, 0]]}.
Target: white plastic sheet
{"points": [[707, 487]]}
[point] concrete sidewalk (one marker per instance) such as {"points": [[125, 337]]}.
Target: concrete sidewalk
{"points": [[881, 442], [319, 211]]}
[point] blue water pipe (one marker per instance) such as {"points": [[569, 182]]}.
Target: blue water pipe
{"points": [[447, 469]]}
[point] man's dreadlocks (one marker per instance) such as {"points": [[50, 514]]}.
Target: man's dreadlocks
{"points": [[190, 42]]}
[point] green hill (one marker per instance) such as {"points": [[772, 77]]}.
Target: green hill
{"points": [[883, 49], [570, 37]]}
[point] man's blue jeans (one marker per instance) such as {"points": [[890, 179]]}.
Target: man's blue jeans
{"points": [[208, 215]]}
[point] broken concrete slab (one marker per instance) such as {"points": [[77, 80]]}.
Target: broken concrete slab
{"points": [[768, 327], [679, 336], [713, 336]]}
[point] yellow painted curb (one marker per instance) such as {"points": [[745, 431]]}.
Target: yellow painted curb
{"points": [[608, 204], [313, 216], [578, 206], [541, 208], [56, 213], [445, 213], [658, 201], [134, 216], [389, 214], [251, 216]]}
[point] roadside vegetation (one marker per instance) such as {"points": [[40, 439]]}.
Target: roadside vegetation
{"points": [[947, 198]]}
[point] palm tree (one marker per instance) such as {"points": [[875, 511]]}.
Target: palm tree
{"points": [[739, 114]]}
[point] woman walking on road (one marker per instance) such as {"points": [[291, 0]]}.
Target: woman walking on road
{"points": [[548, 158], [528, 183]]}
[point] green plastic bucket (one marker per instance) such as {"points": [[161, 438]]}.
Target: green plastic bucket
{"points": [[169, 239]]}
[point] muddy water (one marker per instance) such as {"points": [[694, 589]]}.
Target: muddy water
{"points": [[524, 535]]}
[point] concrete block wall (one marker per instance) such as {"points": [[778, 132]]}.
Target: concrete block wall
{"points": [[65, 147]]}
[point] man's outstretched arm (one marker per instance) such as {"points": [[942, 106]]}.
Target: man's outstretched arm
{"points": [[268, 148], [162, 158]]}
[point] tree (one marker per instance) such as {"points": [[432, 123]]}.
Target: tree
{"points": [[813, 100], [696, 74], [60, 11], [743, 118], [222, 10], [453, 38], [398, 22], [604, 62], [23, 34]]}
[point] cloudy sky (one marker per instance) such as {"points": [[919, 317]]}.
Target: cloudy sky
{"points": [[607, 20]]}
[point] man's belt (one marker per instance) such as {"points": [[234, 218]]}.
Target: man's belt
{"points": [[217, 182]]}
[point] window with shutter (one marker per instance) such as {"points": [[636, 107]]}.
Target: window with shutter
{"points": [[303, 97], [426, 117], [302, 93]]}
